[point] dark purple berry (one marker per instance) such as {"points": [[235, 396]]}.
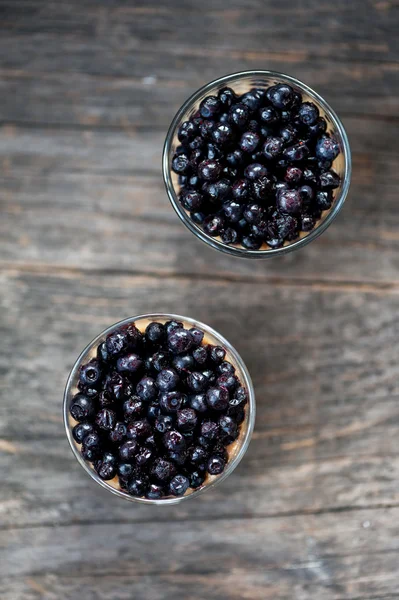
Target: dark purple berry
{"points": [[209, 170], [180, 163], [81, 430], [164, 423], [327, 148], [153, 411], [132, 408], [251, 242], [223, 134], [179, 485], [249, 141], [233, 210], [191, 200], [329, 180], [102, 352], [118, 433], [183, 363], [91, 447], [186, 419], [218, 190], [167, 380], [180, 341], [125, 470], [241, 190], [235, 158], [215, 465], [146, 389], [209, 430], [128, 450], [253, 213], [217, 398], [138, 429], [307, 222], [131, 363], [255, 171], [187, 131], [210, 107], [213, 152], [281, 95], [297, 152], [138, 486], [154, 492], [174, 441], [324, 199], [228, 426], [262, 189], [197, 335], [198, 403], [268, 115], [293, 175], [227, 97], [206, 129], [272, 147], [143, 457], [82, 408], [239, 115], [155, 332], [106, 419], [196, 479], [160, 360], [171, 402], [91, 373], [308, 113], [289, 201], [288, 133], [318, 128], [229, 236], [213, 225]]}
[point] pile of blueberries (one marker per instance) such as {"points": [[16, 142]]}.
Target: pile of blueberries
{"points": [[256, 168], [158, 409]]}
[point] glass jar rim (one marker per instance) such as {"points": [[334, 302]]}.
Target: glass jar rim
{"points": [[239, 251], [251, 408]]}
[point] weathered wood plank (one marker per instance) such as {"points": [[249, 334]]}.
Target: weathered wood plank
{"points": [[152, 92], [324, 369], [52, 35], [96, 199], [323, 556]]}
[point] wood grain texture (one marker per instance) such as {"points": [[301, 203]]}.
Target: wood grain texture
{"points": [[87, 237]]}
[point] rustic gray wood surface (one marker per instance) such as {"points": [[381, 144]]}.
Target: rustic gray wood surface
{"points": [[87, 237]]}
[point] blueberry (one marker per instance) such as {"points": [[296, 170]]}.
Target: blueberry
{"points": [[307, 222], [213, 152], [293, 175], [186, 419], [307, 194], [235, 159], [143, 457], [262, 188], [193, 183], [251, 242], [163, 470], [81, 430], [138, 486], [281, 95], [227, 381], [209, 170], [160, 360], [91, 373], [146, 389], [210, 376], [198, 402], [224, 117], [308, 113], [106, 469], [228, 426], [106, 419], [128, 450], [118, 433], [197, 455], [132, 408], [197, 143], [191, 200], [206, 129], [91, 447], [82, 408], [324, 165], [268, 115], [213, 225], [180, 341], [125, 470], [117, 342], [102, 352], [229, 236], [179, 485], [215, 465], [309, 175], [183, 363], [164, 423], [297, 152], [288, 133], [251, 99], [180, 163], [209, 430], [272, 147], [171, 402], [154, 492], [329, 180], [217, 398], [200, 355], [241, 190], [167, 380], [187, 131], [223, 134], [233, 210], [131, 363], [196, 479], [155, 332], [226, 368], [174, 441], [255, 171], [249, 141], [227, 97], [324, 199], [115, 385], [253, 126], [239, 115], [241, 394], [327, 148], [198, 217], [253, 213], [218, 190], [219, 448], [105, 399], [179, 458], [197, 335], [138, 429], [318, 128], [289, 201], [210, 107]]}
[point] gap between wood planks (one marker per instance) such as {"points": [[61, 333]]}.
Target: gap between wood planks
{"points": [[71, 272], [237, 517]]}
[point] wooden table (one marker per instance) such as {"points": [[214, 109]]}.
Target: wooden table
{"points": [[87, 91]]}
